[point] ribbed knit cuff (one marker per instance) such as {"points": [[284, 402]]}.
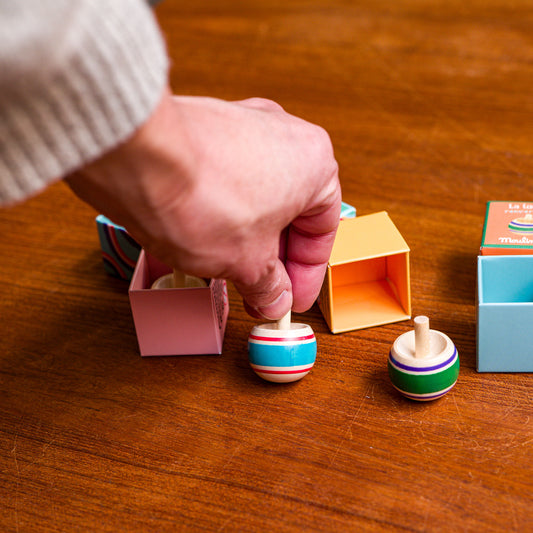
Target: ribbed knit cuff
{"points": [[106, 73]]}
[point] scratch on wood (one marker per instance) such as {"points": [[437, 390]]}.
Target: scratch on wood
{"points": [[349, 428], [14, 454]]}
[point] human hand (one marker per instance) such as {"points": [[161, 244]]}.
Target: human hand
{"points": [[236, 190]]}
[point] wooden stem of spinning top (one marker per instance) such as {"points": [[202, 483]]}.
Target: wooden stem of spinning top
{"points": [[178, 280], [282, 351], [421, 336], [423, 363]]}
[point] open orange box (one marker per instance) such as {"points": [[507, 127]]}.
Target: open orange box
{"points": [[367, 281]]}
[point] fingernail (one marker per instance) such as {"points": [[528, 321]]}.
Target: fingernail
{"points": [[278, 307]]}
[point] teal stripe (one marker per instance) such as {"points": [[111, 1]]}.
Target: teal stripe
{"points": [[276, 355]]}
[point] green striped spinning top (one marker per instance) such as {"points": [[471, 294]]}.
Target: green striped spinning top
{"points": [[423, 363]]}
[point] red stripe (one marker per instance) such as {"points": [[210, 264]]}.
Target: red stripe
{"points": [[282, 339], [112, 260], [119, 250], [261, 371]]}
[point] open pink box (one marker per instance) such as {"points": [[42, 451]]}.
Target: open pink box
{"points": [[187, 321]]}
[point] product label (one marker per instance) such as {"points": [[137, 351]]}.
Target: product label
{"points": [[508, 228]]}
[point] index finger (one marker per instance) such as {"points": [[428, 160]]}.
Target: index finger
{"points": [[309, 242]]}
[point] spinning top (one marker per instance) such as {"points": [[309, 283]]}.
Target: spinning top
{"points": [[522, 225], [282, 351], [178, 280], [423, 363]]}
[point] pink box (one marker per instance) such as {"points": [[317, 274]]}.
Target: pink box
{"points": [[187, 321]]}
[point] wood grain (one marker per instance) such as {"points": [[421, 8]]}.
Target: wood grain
{"points": [[430, 109]]}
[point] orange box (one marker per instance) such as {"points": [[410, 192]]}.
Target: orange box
{"points": [[508, 229], [367, 281]]}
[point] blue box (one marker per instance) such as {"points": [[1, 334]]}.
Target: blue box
{"points": [[347, 211], [120, 251], [505, 313]]}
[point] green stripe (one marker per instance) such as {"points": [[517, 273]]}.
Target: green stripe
{"points": [[485, 224], [508, 246], [426, 384]]}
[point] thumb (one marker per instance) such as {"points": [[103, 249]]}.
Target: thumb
{"points": [[269, 298]]}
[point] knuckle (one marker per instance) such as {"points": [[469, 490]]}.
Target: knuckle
{"points": [[264, 103]]}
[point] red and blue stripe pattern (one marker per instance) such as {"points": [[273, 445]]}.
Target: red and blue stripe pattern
{"points": [[119, 250], [282, 356]]}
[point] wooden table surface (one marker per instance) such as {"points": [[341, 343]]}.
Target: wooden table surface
{"points": [[430, 109]]}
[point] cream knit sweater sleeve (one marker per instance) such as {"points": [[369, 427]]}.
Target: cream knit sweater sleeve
{"points": [[77, 77]]}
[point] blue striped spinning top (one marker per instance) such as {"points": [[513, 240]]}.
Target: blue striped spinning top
{"points": [[282, 351]]}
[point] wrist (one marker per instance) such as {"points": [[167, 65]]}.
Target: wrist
{"points": [[137, 182]]}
